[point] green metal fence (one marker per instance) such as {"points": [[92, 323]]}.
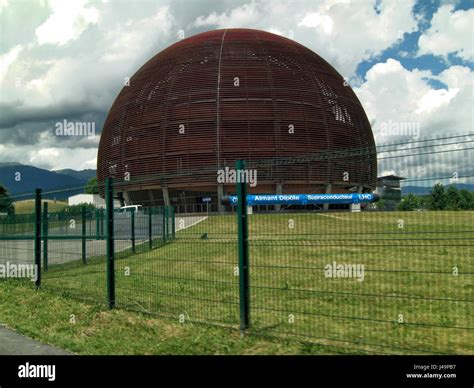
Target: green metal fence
{"points": [[360, 281], [396, 282]]}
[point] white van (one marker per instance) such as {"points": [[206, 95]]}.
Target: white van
{"points": [[130, 208]]}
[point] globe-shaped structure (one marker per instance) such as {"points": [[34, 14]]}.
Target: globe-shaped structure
{"points": [[234, 94]]}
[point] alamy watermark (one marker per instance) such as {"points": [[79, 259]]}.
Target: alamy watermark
{"points": [[335, 270], [401, 128], [29, 371], [75, 128], [231, 175], [16, 271]]}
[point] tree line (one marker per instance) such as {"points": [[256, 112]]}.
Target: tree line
{"points": [[440, 198]]}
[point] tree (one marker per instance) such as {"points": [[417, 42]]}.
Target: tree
{"points": [[92, 186], [453, 198], [438, 197], [424, 202], [409, 203], [6, 202], [381, 204], [466, 200]]}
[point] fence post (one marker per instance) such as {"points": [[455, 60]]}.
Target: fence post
{"points": [[149, 229], [173, 227], [38, 237], [133, 230], [45, 236], [243, 250], [97, 230], [109, 200], [164, 224], [168, 222], [102, 224], [84, 234]]}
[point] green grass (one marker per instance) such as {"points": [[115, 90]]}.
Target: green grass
{"points": [[46, 316], [408, 271], [27, 206]]}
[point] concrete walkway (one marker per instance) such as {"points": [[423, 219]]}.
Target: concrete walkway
{"points": [[12, 343]]}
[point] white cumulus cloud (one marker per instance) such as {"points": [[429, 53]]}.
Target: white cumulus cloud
{"points": [[393, 93], [67, 22], [403, 106], [344, 32], [242, 16], [450, 32]]}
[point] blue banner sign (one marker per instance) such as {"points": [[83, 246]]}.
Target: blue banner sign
{"points": [[305, 199]]}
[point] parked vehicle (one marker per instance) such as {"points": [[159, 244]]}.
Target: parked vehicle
{"points": [[130, 209]]}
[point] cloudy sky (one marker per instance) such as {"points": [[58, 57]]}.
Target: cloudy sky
{"points": [[408, 61]]}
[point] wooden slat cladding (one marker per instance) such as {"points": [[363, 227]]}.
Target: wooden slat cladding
{"points": [[237, 93]]}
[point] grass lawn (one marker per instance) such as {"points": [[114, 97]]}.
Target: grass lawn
{"points": [[46, 316], [27, 206], [416, 296]]}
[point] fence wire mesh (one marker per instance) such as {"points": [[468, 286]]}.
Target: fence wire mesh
{"points": [[392, 277], [73, 254], [187, 273], [396, 277]]}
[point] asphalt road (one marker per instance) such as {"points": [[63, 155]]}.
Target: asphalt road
{"points": [[61, 251], [12, 343]]}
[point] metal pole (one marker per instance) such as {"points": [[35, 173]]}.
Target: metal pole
{"points": [[243, 250], [38, 237], [150, 243], [167, 218], [109, 199], [97, 230], [84, 234], [133, 230], [173, 227], [164, 224], [45, 236], [102, 223]]}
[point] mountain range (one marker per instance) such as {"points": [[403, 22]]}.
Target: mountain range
{"points": [[21, 180]]}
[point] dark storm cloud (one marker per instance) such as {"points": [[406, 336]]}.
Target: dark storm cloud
{"points": [[31, 126], [17, 113]]}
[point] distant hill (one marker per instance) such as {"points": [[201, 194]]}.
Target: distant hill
{"points": [[66, 182], [83, 175], [420, 190], [4, 164]]}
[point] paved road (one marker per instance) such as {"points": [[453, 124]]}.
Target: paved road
{"points": [[61, 251], [122, 226], [12, 343]]}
